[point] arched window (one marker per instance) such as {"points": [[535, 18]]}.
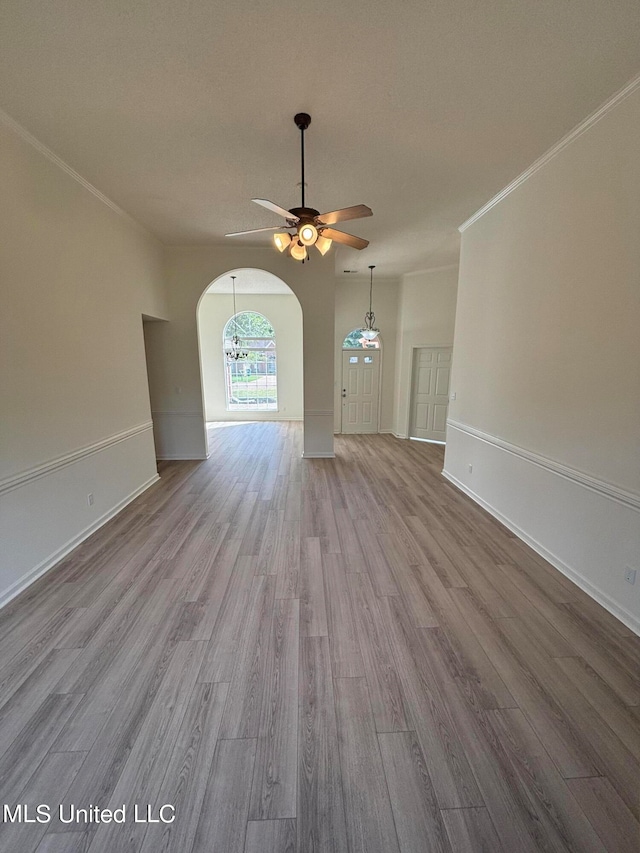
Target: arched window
{"points": [[355, 340], [251, 382]]}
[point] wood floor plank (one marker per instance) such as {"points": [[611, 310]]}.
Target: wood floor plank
{"points": [[111, 747], [62, 842], [415, 599], [350, 546], [15, 671], [509, 808], [47, 787], [29, 748], [144, 770], [320, 808], [564, 741], [561, 817], [25, 702], [369, 818], [387, 697], [445, 568], [377, 564], [187, 774], [241, 718], [470, 662], [346, 658], [417, 816], [313, 611], [206, 566], [225, 806], [613, 711], [599, 744], [471, 831], [287, 560], [430, 717], [270, 542], [224, 643], [618, 829], [115, 669], [275, 774], [271, 836]]}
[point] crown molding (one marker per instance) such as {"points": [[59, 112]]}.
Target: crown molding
{"points": [[30, 139], [563, 143], [428, 270]]}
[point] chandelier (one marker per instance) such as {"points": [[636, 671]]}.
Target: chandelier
{"points": [[369, 330], [234, 352]]}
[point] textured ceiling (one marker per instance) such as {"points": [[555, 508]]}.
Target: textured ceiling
{"points": [[181, 112]]}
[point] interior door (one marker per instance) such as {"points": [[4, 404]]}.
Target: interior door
{"points": [[360, 389], [430, 393]]}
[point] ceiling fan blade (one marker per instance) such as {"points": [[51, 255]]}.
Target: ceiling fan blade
{"points": [[256, 230], [275, 208], [347, 239], [358, 211]]}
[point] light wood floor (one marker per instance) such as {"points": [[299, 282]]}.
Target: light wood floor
{"points": [[314, 656]]}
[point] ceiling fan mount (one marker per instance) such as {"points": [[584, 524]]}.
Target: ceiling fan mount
{"points": [[312, 228], [302, 120]]}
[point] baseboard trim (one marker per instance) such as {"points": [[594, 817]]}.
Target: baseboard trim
{"points": [[17, 480], [621, 613], [176, 414], [319, 455], [183, 458], [601, 487], [49, 562]]}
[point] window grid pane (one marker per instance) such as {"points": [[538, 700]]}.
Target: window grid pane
{"points": [[251, 383]]}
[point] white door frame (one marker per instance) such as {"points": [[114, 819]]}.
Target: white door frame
{"points": [[413, 361], [363, 349]]}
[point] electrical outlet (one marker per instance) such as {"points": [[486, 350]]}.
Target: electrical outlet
{"points": [[90, 499], [630, 575], [470, 469]]}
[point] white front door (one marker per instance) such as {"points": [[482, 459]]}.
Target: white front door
{"points": [[430, 393], [360, 381]]}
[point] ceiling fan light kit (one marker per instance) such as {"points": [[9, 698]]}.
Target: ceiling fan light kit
{"points": [[282, 241], [311, 226], [298, 251]]}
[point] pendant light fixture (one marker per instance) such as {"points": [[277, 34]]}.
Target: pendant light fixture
{"points": [[234, 352], [369, 330]]}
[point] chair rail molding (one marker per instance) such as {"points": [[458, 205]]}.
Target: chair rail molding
{"points": [[602, 487], [15, 481]]}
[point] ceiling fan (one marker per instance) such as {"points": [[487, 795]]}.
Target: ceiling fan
{"points": [[311, 227]]}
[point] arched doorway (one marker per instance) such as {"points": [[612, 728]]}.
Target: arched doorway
{"points": [[266, 383]]}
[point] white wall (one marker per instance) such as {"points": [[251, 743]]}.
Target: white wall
{"points": [[190, 270], [352, 302], [427, 312], [76, 279], [285, 315], [547, 359]]}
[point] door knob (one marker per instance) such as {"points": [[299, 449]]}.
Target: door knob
{"points": [[344, 392]]}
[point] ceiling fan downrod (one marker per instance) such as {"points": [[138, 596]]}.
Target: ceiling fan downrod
{"points": [[302, 120]]}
